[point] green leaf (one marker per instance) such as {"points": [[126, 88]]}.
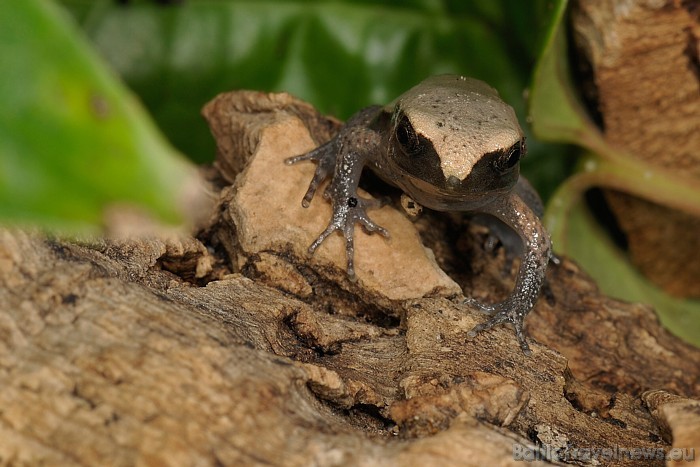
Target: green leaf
{"points": [[72, 140], [556, 113]]}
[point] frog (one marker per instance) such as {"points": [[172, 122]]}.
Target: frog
{"points": [[450, 143]]}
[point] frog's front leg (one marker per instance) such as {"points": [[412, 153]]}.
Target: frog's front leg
{"points": [[503, 233], [348, 209], [344, 157], [516, 213]]}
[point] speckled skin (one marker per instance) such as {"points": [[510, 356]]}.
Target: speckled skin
{"points": [[451, 144]]}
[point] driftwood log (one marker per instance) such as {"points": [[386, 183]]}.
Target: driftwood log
{"points": [[232, 347]]}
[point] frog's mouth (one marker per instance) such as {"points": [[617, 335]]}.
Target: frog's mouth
{"points": [[442, 193], [433, 197]]}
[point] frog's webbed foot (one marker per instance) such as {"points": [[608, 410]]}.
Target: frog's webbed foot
{"points": [[346, 213], [325, 157], [504, 312]]}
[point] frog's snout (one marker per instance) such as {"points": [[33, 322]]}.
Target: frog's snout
{"points": [[453, 182]]}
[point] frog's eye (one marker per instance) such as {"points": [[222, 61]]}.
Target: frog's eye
{"points": [[407, 137], [510, 157]]}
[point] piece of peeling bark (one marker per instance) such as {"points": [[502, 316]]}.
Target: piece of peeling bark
{"points": [[644, 56], [679, 418], [265, 207]]}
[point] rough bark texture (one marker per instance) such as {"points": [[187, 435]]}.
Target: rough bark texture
{"points": [[236, 348], [645, 59]]}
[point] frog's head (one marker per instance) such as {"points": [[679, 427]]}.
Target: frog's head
{"points": [[454, 144]]}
